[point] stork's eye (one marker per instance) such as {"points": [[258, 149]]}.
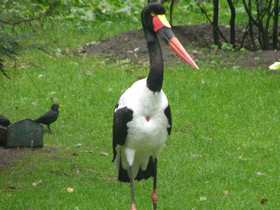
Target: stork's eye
{"points": [[153, 14]]}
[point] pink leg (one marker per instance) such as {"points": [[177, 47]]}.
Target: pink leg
{"points": [[154, 194], [132, 189], [154, 198], [133, 207]]}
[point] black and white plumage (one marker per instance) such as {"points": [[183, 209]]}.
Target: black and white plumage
{"points": [[142, 117], [139, 113]]}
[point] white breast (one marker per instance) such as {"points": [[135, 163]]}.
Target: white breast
{"points": [[145, 137]]}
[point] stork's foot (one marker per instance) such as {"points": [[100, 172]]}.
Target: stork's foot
{"points": [[154, 198], [133, 207]]}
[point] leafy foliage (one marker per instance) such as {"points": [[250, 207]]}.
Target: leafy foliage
{"points": [[257, 13], [9, 46], [16, 16]]}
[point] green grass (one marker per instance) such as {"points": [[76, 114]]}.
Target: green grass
{"points": [[225, 133], [220, 117]]}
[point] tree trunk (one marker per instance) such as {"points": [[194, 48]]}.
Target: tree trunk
{"points": [[216, 22], [263, 10], [275, 24], [251, 28], [268, 13], [232, 23]]}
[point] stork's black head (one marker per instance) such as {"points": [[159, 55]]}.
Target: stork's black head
{"points": [[154, 21], [149, 12], [55, 107]]}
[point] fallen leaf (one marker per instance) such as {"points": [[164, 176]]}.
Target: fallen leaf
{"points": [[260, 174], [70, 189], [87, 151], [242, 158], [140, 77], [235, 67], [54, 99], [275, 66], [90, 44], [8, 189], [196, 155], [225, 192], [36, 183], [87, 72], [194, 52], [75, 154], [67, 50], [203, 199], [104, 153], [264, 200], [34, 103]]}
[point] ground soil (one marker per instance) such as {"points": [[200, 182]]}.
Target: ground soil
{"points": [[197, 40], [8, 155]]}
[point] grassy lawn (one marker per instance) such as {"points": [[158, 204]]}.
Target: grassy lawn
{"points": [[223, 152]]}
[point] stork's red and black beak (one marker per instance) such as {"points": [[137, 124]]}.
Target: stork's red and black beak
{"points": [[162, 27]]}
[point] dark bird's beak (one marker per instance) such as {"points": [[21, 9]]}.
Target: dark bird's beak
{"points": [[60, 105], [162, 27]]}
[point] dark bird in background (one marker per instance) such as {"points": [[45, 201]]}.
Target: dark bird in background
{"points": [[49, 117], [142, 116], [4, 121]]}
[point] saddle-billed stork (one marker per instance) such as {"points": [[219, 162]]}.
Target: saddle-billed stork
{"points": [[142, 116]]}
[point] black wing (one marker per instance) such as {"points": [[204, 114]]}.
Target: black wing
{"points": [[47, 118], [167, 113], [121, 118]]}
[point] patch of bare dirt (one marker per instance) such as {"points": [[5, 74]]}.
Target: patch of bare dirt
{"points": [[8, 155], [197, 40]]}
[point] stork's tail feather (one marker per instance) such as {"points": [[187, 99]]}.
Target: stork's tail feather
{"points": [[149, 172], [123, 174]]}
